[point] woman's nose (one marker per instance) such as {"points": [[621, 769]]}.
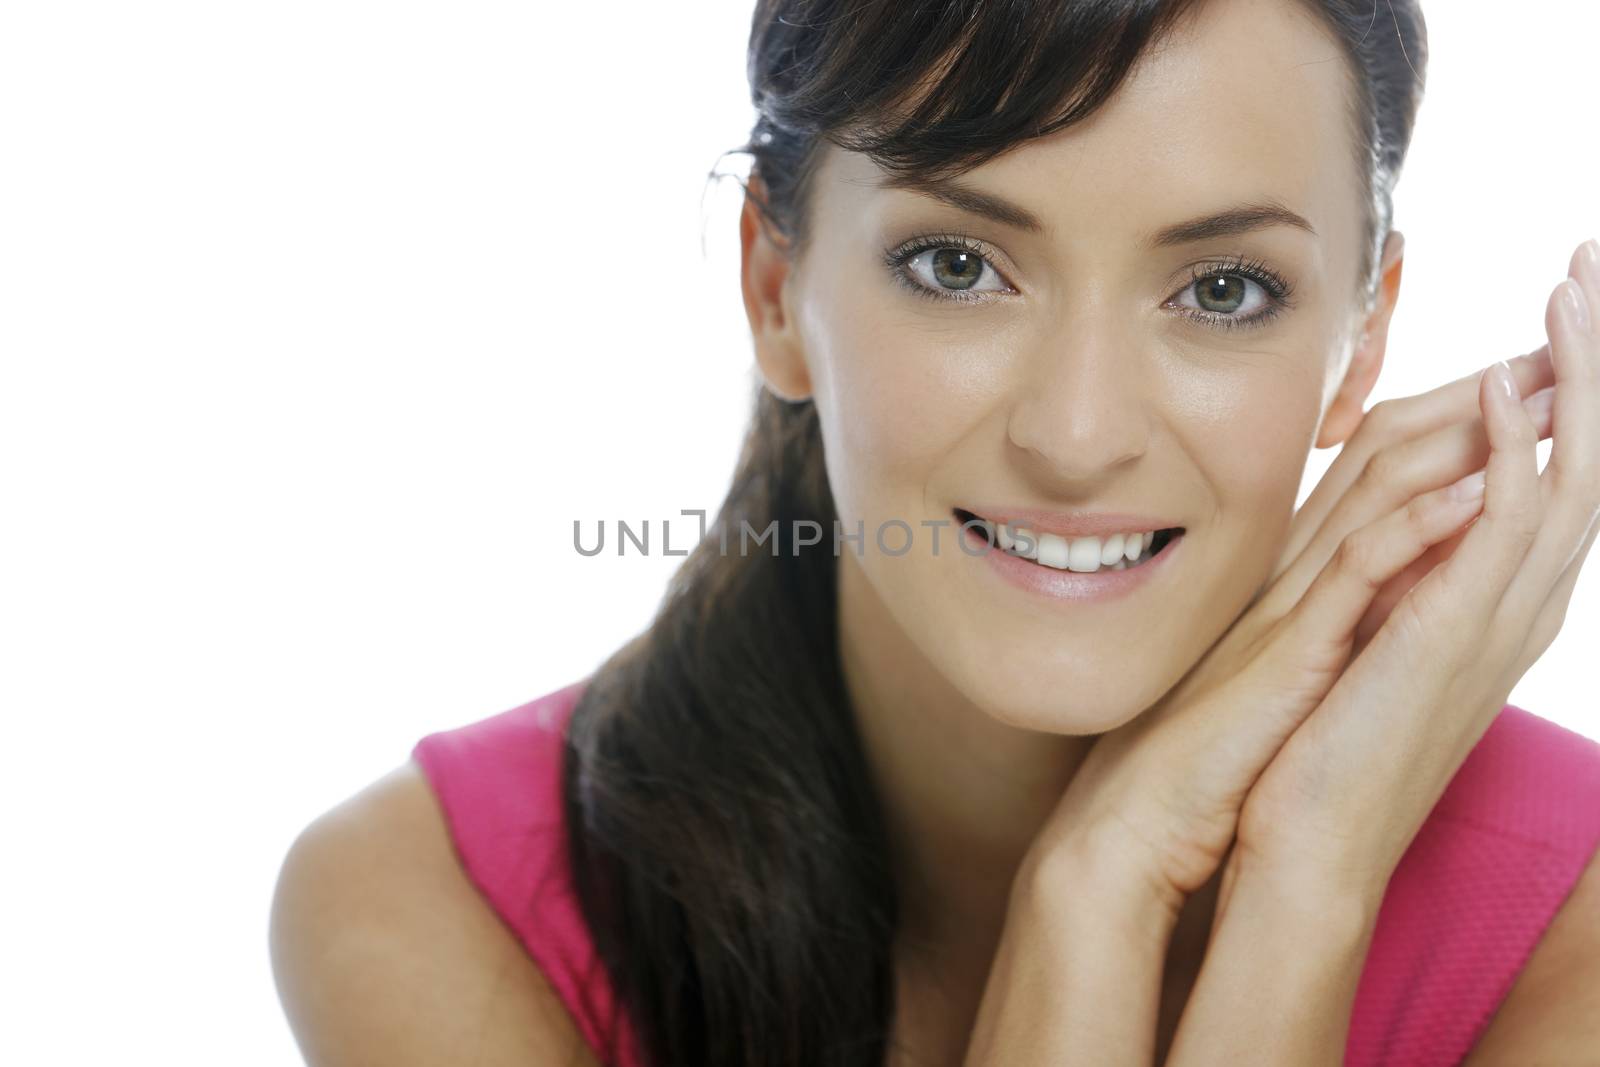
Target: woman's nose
{"points": [[1080, 407]]}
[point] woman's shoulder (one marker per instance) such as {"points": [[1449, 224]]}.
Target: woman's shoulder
{"points": [[497, 781], [385, 952], [1494, 892]]}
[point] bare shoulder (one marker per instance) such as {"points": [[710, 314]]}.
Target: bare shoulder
{"points": [[1552, 1013], [385, 953]]}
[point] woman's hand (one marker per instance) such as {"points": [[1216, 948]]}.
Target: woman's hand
{"points": [[1348, 791], [1157, 804], [1153, 810], [1161, 798], [1336, 808], [1387, 461]]}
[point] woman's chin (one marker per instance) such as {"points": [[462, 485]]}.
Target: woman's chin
{"points": [[1072, 703]]}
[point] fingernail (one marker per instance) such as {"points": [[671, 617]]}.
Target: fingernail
{"points": [[1470, 487], [1577, 304], [1503, 380], [1591, 252]]}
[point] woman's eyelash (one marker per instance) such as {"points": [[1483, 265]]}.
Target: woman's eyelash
{"points": [[1278, 289], [899, 257], [1280, 293]]}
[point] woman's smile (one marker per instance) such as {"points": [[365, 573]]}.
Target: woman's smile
{"points": [[1087, 568]]}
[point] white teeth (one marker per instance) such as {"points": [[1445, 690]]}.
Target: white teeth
{"points": [[1085, 555], [1081, 554], [1053, 551]]}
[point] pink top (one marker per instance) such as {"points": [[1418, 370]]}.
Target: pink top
{"points": [[1480, 882]]}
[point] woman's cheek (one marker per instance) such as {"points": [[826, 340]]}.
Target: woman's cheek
{"points": [[895, 405], [1252, 440]]}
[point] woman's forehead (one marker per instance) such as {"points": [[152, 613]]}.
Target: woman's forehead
{"points": [[1247, 100]]}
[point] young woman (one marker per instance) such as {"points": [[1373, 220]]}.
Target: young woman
{"points": [[1043, 729]]}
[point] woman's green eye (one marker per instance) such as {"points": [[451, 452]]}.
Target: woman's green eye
{"points": [[1223, 293], [954, 270], [1226, 294], [1234, 294]]}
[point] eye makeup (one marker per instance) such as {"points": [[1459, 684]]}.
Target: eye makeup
{"points": [[899, 258], [1277, 291]]}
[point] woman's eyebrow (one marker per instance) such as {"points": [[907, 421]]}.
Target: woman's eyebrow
{"points": [[966, 198], [1241, 218]]}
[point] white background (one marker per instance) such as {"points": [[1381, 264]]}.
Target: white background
{"points": [[322, 321]]}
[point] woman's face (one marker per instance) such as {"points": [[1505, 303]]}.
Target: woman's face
{"points": [[1080, 368]]}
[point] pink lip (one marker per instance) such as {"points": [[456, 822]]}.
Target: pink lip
{"points": [[1071, 523], [1093, 586]]}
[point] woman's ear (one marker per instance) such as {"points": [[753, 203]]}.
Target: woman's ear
{"points": [[764, 269], [1345, 412]]}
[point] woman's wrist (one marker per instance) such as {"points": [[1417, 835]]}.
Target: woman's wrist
{"points": [[1080, 884], [1348, 893], [1279, 977], [1077, 975]]}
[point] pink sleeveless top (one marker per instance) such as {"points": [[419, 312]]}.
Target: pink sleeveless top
{"points": [[1468, 902]]}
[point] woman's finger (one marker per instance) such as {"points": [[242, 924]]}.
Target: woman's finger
{"points": [[1397, 587], [1460, 596], [1391, 477], [1554, 612], [1570, 317], [1391, 422], [1363, 563], [1570, 485]]}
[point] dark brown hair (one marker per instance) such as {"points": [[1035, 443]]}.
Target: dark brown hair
{"points": [[727, 844]]}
